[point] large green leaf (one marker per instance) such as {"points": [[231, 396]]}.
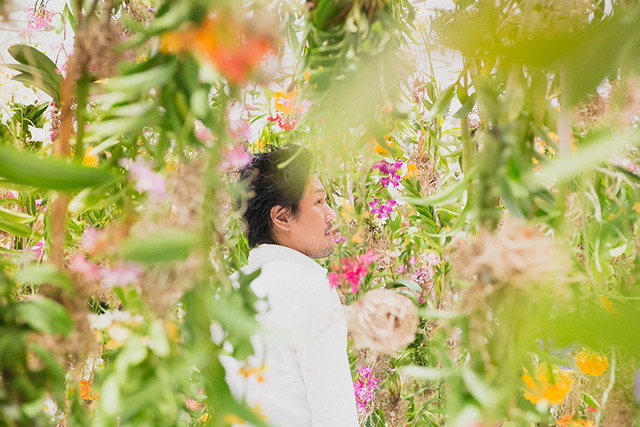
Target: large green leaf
{"points": [[37, 69], [162, 246], [49, 173], [45, 315]]}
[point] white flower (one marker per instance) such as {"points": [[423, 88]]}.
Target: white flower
{"points": [[41, 134]]}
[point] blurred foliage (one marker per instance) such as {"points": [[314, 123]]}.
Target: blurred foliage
{"points": [[504, 203]]}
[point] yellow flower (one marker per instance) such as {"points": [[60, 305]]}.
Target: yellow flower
{"points": [[233, 419], [591, 363], [89, 159], [412, 171], [356, 238], [286, 101], [379, 149], [636, 207], [551, 384]]}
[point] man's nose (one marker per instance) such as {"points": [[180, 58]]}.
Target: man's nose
{"points": [[331, 214]]}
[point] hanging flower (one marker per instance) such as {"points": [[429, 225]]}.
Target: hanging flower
{"points": [[591, 363], [382, 320], [86, 392], [382, 209]]}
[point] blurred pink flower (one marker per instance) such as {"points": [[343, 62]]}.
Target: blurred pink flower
{"points": [[146, 180], [79, 264], [36, 250], [352, 271], [90, 239], [236, 158], [203, 133], [121, 275], [238, 125]]}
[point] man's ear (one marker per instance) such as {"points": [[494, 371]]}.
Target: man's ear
{"points": [[281, 218]]}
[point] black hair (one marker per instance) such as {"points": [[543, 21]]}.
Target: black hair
{"points": [[275, 178]]}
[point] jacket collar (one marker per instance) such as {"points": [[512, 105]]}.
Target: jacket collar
{"points": [[266, 253]]}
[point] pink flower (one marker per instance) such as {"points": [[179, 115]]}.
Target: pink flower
{"points": [[382, 209], [39, 19], [122, 275], [192, 404], [36, 250], [79, 264], [352, 271], [239, 127], [146, 180], [364, 386], [236, 158], [203, 133], [90, 239]]}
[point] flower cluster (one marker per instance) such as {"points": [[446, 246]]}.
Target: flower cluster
{"points": [[365, 385], [382, 209], [39, 18], [86, 391], [284, 121], [424, 271], [551, 384], [146, 180], [591, 363], [389, 169], [352, 271]]}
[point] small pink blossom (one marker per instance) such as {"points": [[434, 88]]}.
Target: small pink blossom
{"points": [[192, 404], [382, 209], [38, 19], [122, 275], [90, 239], [79, 264], [203, 133], [146, 180]]}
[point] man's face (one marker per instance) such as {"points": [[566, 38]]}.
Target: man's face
{"points": [[311, 230]]}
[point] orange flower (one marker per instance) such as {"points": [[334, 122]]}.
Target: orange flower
{"points": [[551, 384], [286, 101], [90, 159], [591, 363], [379, 149], [568, 421], [412, 171], [86, 392], [230, 46]]}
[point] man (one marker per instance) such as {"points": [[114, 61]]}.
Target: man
{"points": [[299, 375]]}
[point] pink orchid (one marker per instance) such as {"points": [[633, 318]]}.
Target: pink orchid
{"points": [[122, 275]]}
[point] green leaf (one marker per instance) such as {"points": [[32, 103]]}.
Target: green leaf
{"points": [[39, 83], [426, 373], [49, 173], [408, 283], [589, 400], [441, 106], [466, 107], [43, 273], [45, 315], [18, 217], [451, 193], [593, 151], [480, 390], [17, 229], [163, 246]]}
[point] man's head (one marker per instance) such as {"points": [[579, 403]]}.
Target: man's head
{"points": [[288, 206]]}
